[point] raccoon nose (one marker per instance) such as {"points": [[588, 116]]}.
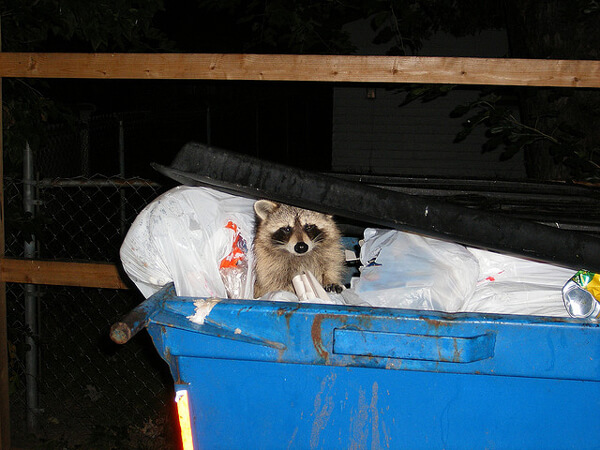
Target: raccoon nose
{"points": [[301, 247]]}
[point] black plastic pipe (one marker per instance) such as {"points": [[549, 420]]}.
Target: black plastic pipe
{"points": [[197, 164]]}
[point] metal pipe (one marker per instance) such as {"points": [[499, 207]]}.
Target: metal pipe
{"points": [[121, 149], [208, 126], [31, 303], [122, 175], [85, 141], [87, 182]]}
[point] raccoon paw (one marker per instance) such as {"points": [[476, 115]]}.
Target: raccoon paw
{"points": [[333, 288]]}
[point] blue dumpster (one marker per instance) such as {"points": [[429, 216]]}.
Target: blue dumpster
{"points": [[257, 374]]}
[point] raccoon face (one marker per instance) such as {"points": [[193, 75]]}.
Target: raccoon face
{"points": [[297, 231], [298, 238]]}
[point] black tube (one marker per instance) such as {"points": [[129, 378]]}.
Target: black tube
{"points": [[228, 171]]}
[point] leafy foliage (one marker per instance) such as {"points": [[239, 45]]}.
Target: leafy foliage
{"points": [[283, 26], [557, 129], [315, 26], [494, 110], [503, 129], [75, 25], [405, 24]]}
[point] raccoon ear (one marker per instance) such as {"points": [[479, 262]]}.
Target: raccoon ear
{"points": [[264, 207]]}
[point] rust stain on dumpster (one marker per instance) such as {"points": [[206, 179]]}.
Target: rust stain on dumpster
{"points": [[436, 323], [317, 339], [287, 313], [316, 333], [174, 363], [457, 355]]}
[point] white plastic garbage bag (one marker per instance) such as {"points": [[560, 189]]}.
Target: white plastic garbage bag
{"points": [[510, 285], [196, 237], [405, 270]]}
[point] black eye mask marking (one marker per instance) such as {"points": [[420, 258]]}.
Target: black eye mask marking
{"points": [[282, 235], [314, 232]]}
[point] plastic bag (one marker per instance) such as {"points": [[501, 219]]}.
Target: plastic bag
{"points": [[234, 268], [184, 235], [405, 270], [511, 285]]}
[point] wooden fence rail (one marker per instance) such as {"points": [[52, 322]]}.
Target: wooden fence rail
{"points": [[332, 68], [59, 273]]}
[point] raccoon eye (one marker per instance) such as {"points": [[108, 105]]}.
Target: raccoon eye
{"points": [[286, 230], [309, 227]]}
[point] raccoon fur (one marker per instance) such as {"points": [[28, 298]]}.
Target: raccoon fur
{"points": [[290, 240]]}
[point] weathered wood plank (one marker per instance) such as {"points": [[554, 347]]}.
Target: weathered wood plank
{"points": [[58, 273], [329, 68]]}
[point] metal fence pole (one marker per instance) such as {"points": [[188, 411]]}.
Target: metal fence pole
{"points": [[31, 306], [122, 174], [208, 126], [85, 115]]}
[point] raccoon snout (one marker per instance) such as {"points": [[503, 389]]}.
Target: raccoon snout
{"points": [[301, 247]]}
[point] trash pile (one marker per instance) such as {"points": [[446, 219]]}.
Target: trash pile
{"points": [[200, 239]]}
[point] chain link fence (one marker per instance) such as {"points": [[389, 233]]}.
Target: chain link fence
{"points": [[88, 392]]}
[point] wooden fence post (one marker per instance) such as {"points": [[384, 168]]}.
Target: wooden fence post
{"points": [[4, 401]]}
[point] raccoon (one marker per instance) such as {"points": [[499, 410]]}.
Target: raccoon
{"points": [[290, 240]]}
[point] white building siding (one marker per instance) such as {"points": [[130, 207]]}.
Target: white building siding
{"points": [[377, 136]]}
